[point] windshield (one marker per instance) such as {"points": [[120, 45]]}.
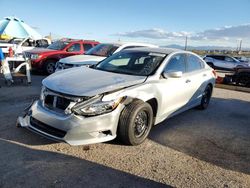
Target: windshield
{"points": [[58, 45], [15, 41], [132, 62], [104, 50]]}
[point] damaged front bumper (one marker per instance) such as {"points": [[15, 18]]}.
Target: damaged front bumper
{"points": [[70, 128]]}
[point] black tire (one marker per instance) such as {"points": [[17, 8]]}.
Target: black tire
{"points": [[49, 66], [135, 123], [206, 96]]}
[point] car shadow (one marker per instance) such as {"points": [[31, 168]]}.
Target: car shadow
{"points": [[25, 167], [218, 135]]}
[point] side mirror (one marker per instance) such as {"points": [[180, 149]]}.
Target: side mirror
{"points": [[173, 74]]}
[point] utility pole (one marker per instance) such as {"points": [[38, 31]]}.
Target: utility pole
{"points": [[186, 43], [240, 46], [237, 46]]}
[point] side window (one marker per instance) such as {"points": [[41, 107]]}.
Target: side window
{"points": [[42, 43], [176, 63], [74, 48], [221, 58], [87, 47], [194, 63], [229, 59]]}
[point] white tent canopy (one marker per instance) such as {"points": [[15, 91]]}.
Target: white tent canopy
{"points": [[14, 27]]}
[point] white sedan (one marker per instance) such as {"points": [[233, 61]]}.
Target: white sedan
{"points": [[124, 95]]}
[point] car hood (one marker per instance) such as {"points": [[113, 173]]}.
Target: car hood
{"points": [[83, 81], [81, 59]]}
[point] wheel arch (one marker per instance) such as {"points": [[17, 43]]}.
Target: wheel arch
{"points": [[152, 102], [211, 85]]}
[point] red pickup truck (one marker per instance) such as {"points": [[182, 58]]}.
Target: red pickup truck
{"points": [[44, 59]]}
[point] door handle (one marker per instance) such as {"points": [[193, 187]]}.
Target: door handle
{"points": [[187, 81], [204, 75]]}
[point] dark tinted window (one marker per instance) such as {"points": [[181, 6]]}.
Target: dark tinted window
{"points": [[104, 50], [218, 57], [194, 63], [87, 47], [42, 43], [74, 48], [176, 63], [222, 58]]}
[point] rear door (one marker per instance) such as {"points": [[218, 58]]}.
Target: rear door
{"points": [[197, 78], [74, 49]]}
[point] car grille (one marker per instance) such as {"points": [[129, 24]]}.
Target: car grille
{"points": [[46, 128], [56, 102]]}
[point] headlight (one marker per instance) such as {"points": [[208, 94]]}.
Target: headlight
{"points": [[96, 107], [35, 56]]}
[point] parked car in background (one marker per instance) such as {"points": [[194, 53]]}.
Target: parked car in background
{"points": [[124, 95], [97, 54], [224, 62], [19, 45], [45, 59]]}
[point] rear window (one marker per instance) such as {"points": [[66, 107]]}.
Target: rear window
{"points": [[104, 50]]}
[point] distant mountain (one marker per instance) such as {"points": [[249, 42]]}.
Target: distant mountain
{"points": [[203, 47]]}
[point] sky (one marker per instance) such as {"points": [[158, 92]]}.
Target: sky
{"points": [[161, 22]]}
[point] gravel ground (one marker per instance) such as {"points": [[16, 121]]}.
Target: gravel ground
{"points": [[208, 148]]}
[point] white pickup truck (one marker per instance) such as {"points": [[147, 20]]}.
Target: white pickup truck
{"points": [[19, 45]]}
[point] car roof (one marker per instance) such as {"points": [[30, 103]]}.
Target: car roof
{"points": [[156, 50]]}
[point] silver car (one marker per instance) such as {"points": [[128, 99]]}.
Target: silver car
{"points": [[124, 95], [224, 62]]}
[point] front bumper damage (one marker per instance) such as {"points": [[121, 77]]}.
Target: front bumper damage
{"points": [[70, 128]]}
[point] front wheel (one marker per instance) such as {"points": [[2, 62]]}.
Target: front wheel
{"points": [[49, 67], [135, 123], [206, 96]]}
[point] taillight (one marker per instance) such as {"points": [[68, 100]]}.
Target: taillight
{"points": [[214, 73]]}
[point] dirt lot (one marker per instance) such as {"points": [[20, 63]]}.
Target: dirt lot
{"points": [[195, 149]]}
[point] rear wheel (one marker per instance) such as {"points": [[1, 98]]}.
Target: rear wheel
{"points": [[135, 123], [49, 66], [206, 96]]}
